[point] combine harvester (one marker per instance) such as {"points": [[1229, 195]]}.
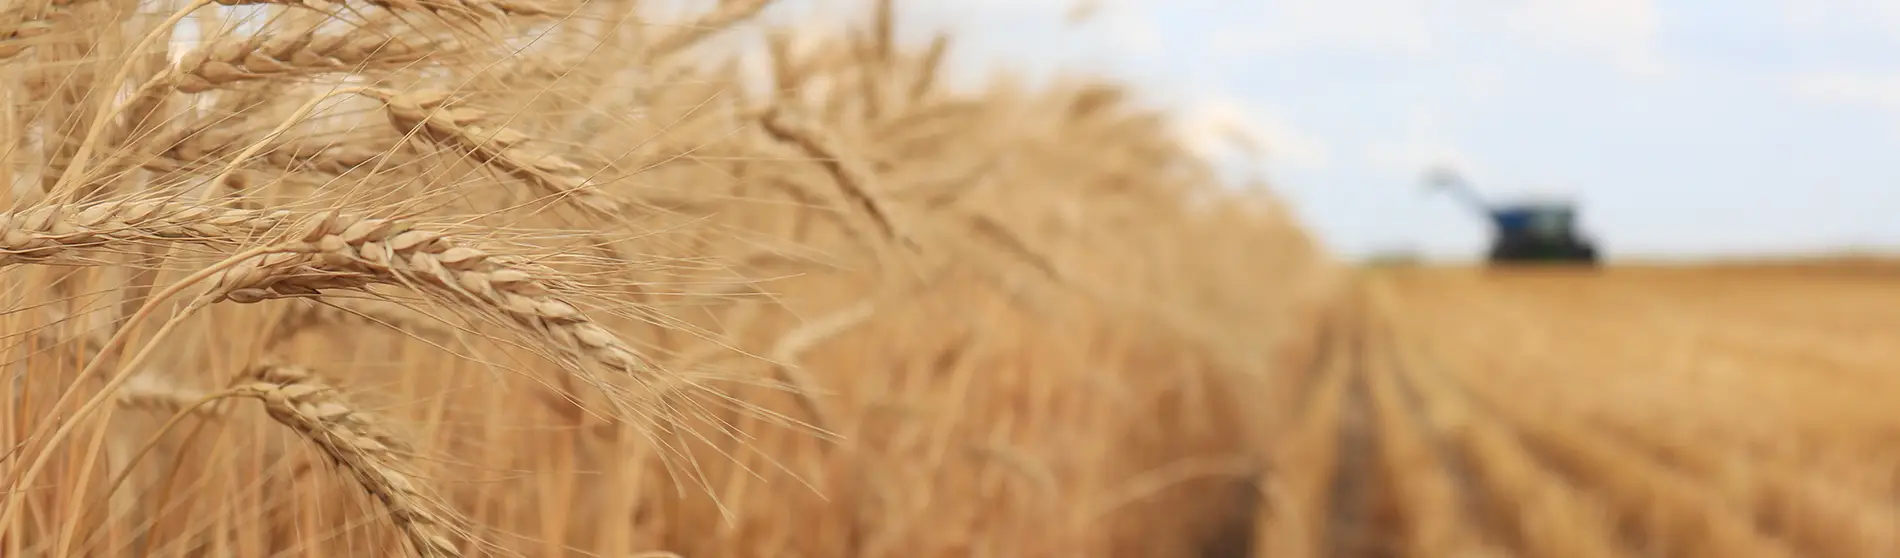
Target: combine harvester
{"points": [[1539, 231]]}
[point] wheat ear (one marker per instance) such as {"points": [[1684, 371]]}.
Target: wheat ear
{"points": [[24, 27], [253, 57], [727, 14], [153, 392], [350, 439], [853, 174], [473, 11], [355, 442], [435, 119], [41, 234], [346, 252]]}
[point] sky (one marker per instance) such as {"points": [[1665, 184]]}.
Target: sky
{"points": [[1683, 128]]}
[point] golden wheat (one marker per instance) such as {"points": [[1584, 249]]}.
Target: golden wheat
{"points": [[198, 186]]}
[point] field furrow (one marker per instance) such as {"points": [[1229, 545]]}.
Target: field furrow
{"points": [[1362, 520], [1435, 518], [1612, 414], [1299, 502]]}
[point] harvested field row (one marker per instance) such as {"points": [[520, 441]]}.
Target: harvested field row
{"points": [[1612, 347], [1526, 414]]}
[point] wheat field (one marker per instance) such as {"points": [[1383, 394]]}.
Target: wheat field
{"points": [[609, 278], [1696, 411], [637, 279]]}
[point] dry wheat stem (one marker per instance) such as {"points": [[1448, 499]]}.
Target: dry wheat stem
{"points": [[60, 430], [68, 183], [148, 391]]}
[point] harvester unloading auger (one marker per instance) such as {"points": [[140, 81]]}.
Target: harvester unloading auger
{"points": [[1541, 231]]}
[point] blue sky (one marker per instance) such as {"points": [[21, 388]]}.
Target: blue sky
{"points": [[1685, 128]]}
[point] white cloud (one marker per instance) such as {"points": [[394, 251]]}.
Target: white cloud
{"points": [[1591, 23], [1416, 156], [1421, 145], [1481, 82], [1391, 27], [1621, 32], [1876, 90], [1831, 18], [1131, 32], [1219, 126]]}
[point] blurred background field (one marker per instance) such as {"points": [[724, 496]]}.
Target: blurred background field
{"points": [[888, 279]]}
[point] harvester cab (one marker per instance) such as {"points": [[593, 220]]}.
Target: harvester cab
{"points": [[1530, 230]]}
